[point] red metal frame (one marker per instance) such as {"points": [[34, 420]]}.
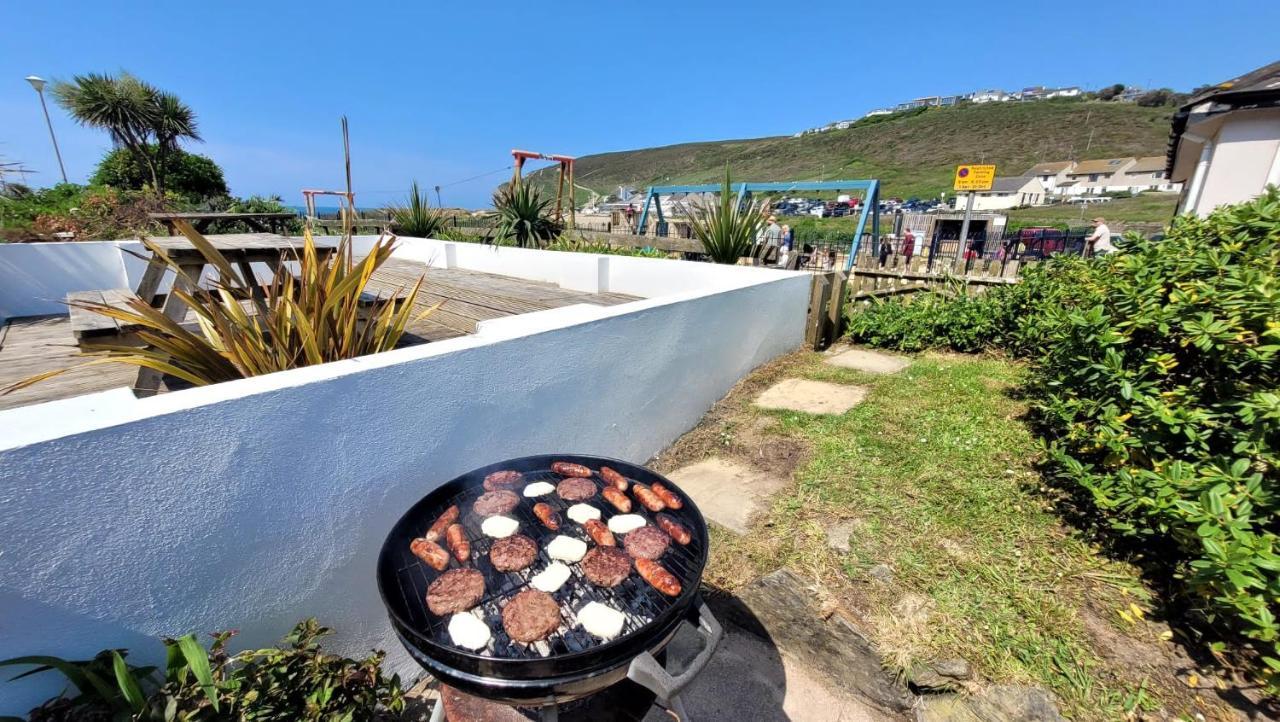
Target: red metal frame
{"points": [[566, 173]]}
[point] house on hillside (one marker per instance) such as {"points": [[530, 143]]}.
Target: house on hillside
{"points": [[1006, 192], [991, 96], [1225, 142], [1072, 92], [1095, 177], [1148, 174], [1051, 174]]}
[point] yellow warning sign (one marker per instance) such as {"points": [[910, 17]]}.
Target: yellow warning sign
{"points": [[974, 177]]}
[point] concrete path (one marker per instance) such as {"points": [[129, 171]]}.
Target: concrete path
{"points": [[872, 362], [811, 397], [727, 492]]}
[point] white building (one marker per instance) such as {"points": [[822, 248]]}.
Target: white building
{"points": [[1007, 192], [1148, 174], [1095, 177], [1072, 92], [991, 96], [1225, 143], [1051, 174]]}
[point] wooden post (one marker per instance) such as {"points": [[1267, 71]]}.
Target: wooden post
{"points": [[816, 321], [835, 307]]}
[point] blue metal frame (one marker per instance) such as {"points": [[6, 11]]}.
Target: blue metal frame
{"points": [[871, 200]]}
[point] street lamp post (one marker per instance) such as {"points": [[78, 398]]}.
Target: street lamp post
{"points": [[38, 83]]}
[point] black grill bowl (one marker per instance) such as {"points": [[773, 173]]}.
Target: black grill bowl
{"points": [[577, 664]]}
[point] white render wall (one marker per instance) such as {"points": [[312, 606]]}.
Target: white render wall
{"points": [[256, 503]]}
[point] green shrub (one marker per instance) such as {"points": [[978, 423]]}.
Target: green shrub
{"points": [[186, 174], [1162, 399], [416, 217], [294, 681], [582, 245]]}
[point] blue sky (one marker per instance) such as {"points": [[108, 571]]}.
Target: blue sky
{"points": [[441, 92]]}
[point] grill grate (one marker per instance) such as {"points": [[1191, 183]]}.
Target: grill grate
{"points": [[638, 602]]}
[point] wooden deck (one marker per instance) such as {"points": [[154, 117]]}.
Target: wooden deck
{"points": [[29, 346]]}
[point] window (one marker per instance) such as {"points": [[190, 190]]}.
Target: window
{"points": [[1093, 177]]}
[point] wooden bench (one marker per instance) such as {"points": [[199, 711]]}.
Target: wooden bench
{"points": [[90, 326]]}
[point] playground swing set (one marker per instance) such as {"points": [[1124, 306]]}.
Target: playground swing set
{"points": [[870, 201]]}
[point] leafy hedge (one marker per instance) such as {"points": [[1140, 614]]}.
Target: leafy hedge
{"points": [[1156, 374]]}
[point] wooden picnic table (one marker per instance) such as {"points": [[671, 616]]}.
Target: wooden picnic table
{"points": [[240, 249], [261, 222]]}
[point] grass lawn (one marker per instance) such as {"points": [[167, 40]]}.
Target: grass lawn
{"points": [[1146, 208], [934, 473]]}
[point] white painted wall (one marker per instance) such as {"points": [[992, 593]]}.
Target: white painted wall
{"points": [[1246, 148], [35, 277], [255, 503]]}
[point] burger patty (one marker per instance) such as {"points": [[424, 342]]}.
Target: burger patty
{"points": [[505, 479], [513, 553], [530, 616], [457, 590], [492, 503], [647, 542], [576, 488], [606, 566]]}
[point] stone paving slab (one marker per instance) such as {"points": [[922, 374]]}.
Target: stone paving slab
{"points": [[748, 678], [872, 362], [727, 492], [811, 397]]}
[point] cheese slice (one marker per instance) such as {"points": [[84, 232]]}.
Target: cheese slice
{"points": [[499, 527]]}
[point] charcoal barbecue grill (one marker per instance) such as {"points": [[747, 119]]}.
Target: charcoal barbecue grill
{"points": [[570, 664]]}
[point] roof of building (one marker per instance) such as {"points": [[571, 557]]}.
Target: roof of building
{"points": [[1049, 168], [1263, 83], [1147, 164], [1010, 184], [1102, 165], [1257, 87]]}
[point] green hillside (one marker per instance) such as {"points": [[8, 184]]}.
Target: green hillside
{"points": [[913, 153]]}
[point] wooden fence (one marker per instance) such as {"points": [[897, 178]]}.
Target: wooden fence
{"points": [[896, 276]]}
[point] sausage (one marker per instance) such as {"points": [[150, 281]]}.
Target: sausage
{"points": [[616, 480], [646, 497], [564, 468], [547, 515], [430, 552], [600, 533], [667, 496], [617, 498], [674, 529], [658, 577], [449, 516], [458, 544]]}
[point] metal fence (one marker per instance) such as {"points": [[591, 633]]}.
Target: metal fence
{"points": [[947, 250]]}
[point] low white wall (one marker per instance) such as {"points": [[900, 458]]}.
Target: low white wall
{"points": [[36, 277], [255, 503]]}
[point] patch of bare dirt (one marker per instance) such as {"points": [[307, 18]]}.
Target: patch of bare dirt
{"points": [[734, 428], [1150, 659]]}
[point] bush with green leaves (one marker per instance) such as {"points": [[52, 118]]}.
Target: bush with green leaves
{"points": [[583, 245], [1156, 384], [1160, 396], [416, 217], [293, 681], [191, 176], [727, 227], [524, 216]]}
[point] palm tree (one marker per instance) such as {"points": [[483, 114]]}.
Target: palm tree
{"points": [[523, 216], [145, 120], [726, 228]]}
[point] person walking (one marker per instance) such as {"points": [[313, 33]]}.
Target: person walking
{"points": [[787, 239], [771, 240], [908, 245], [1099, 242]]}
